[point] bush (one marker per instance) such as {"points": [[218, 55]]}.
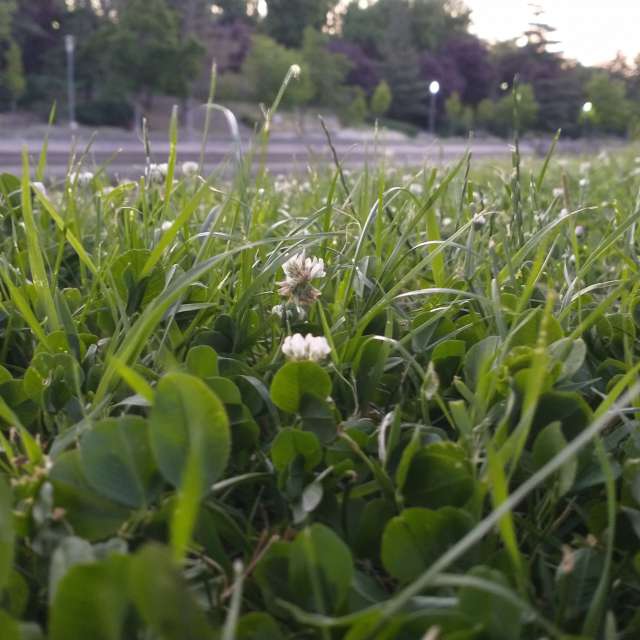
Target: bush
{"points": [[356, 110], [459, 116], [106, 112], [381, 100], [266, 67], [498, 116]]}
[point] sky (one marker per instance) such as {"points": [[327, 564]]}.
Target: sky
{"points": [[591, 31]]}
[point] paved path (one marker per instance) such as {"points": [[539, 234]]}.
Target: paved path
{"points": [[125, 157]]}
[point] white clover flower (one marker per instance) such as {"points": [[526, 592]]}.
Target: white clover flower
{"points": [[564, 212], [585, 167], [295, 71], [299, 267], [298, 348], [166, 225], [39, 186], [558, 192], [278, 310], [580, 231], [479, 221], [584, 183], [299, 271], [158, 172], [189, 169], [83, 178], [416, 189], [447, 222]]}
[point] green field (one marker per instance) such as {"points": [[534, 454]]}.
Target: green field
{"points": [[459, 458]]}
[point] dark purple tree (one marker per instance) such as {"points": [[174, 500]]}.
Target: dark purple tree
{"points": [[365, 70], [473, 64]]}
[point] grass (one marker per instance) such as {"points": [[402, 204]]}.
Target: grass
{"points": [[463, 464]]}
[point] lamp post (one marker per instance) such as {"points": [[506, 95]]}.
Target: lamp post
{"points": [[70, 46], [434, 89]]}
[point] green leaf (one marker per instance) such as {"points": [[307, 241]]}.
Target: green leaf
{"points": [[91, 515], [70, 552], [91, 601], [187, 416], [258, 626], [9, 628], [570, 354], [163, 599], [7, 533], [290, 443], [295, 379], [202, 361], [500, 618], [415, 539], [320, 569], [118, 462], [479, 359], [549, 443], [317, 417], [438, 475], [368, 366]]}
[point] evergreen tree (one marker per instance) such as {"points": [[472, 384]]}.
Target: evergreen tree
{"points": [[287, 19], [401, 66]]}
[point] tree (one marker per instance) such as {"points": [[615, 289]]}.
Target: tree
{"points": [[610, 104], [265, 68], [148, 52], [459, 116], [435, 21], [287, 19], [13, 73], [11, 68], [381, 100], [401, 67], [327, 70], [356, 111]]}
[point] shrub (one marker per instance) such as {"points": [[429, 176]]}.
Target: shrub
{"points": [[381, 100], [356, 110], [106, 111], [267, 65]]}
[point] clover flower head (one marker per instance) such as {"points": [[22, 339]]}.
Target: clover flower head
{"points": [[558, 192], [299, 271], [298, 347], [479, 221], [295, 71], [39, 186], [580, 231], [584, 183], [83, 178], [189, 169], [158, 172]]}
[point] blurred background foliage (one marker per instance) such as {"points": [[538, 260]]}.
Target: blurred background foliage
{"points": [[362, 60]]}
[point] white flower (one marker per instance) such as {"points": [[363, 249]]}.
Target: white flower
{"points": [[297, 347], [564, 212], [580, 231], [557, 192], [415, 189], [189, 169], [479, 221], [584, 182], [83, 178], [299, 267], [166, 225], [295, 71], [278, 310], [158, 172], [446, 222], [585, 167], [299, 271], [39, 186]]}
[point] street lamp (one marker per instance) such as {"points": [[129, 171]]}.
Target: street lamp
{"points": [[587, 107], [434, 89], [70, 46]]}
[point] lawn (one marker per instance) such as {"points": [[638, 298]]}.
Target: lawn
{"points": [[358, 405]]}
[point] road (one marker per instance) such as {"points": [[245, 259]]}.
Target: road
{"points": [[125, 157]]}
